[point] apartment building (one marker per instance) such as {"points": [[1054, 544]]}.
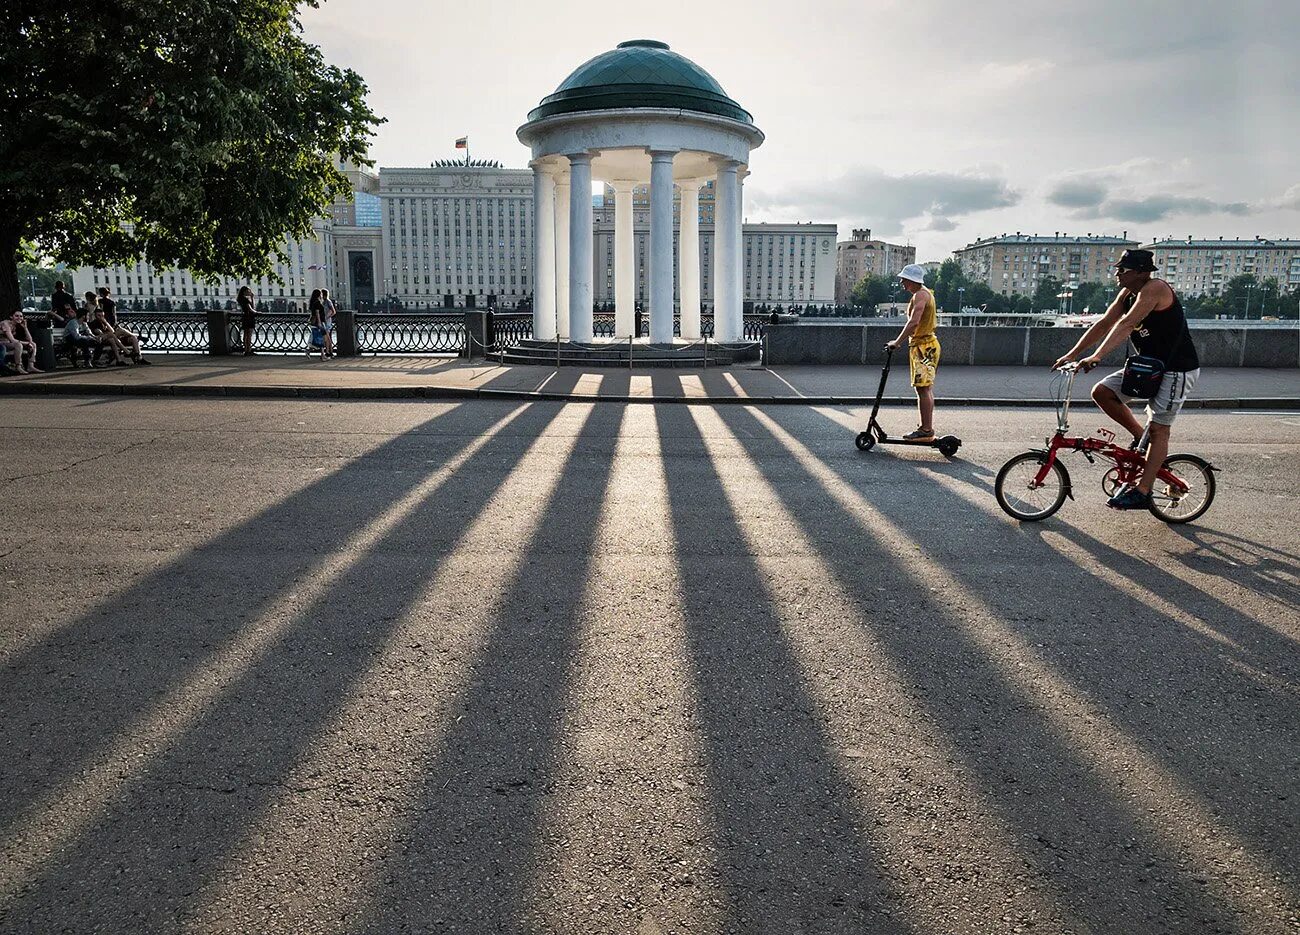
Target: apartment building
{"points": [[1011, 263]]}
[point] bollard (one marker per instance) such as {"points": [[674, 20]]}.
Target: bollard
{"points": [[218, 337], [346, 343], [43, 334], [476, 334]]}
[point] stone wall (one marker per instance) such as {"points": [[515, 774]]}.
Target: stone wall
{"points": [[858, 341]]}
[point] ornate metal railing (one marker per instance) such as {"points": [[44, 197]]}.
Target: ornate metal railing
{"points": [[509, 329], [168, 331], [271, 332], [411, 333]]}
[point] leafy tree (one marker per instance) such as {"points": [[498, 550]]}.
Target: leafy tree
{"points": [[163, 304], [184, 306], [1094, 296], [1238, 292], [1288, 305], [1024, 305], [44, 278], [870, 291], [150, 305], [196, 134], [945, 282], [1045, 295]]}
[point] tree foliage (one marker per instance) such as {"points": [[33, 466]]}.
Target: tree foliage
{"points": [[188, 133], [870, 291]]}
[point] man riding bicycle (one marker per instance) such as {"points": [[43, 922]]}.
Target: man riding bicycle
{"points": [[1147, 312]]}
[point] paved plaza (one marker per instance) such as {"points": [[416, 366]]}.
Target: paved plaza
{"points": [[480, 666]]}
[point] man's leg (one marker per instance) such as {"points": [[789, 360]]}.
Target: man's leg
{"points": [[925, 407], [1117, 409], [1157, 451]]}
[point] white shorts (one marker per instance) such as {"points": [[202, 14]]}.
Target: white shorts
{"points": [[1164, 406]]}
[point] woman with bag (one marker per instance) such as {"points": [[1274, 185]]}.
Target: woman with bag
{"points": [[317, 309]]}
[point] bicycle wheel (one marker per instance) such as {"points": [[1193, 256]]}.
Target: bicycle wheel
{"points": [[1171, 502], [1020, 496]]}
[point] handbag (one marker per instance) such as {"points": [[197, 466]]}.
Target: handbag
{"points": [[1142, 376], [317, 336]]}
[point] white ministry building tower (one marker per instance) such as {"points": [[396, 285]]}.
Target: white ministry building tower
{"points": [[639, 114]]}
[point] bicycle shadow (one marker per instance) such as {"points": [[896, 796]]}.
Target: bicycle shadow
{"points": [[1265, 569]]}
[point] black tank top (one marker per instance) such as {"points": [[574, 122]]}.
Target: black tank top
{"points": [[1164, 335]]}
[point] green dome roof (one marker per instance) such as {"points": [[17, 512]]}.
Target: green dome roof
{"points": [[640, 73]]}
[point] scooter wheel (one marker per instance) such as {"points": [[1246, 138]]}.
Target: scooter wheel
{"points": [[948, 445], [865, 441]]}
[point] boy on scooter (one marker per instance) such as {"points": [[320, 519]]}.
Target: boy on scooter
{"points": [[922, 347]]}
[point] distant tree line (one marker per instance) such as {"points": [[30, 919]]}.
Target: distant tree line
{"points": [[1242, 297]]}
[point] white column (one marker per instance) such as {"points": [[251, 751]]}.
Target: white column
{"points": [[544, 261], [661, 246], [624, 260], [688, 252], [562, 254], [725, 247], [580, 247], [738, 246]]}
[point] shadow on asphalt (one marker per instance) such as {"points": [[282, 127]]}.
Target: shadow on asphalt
{"points": [[468, 861], [791, 844], [1263, 568], [1177, 693], [172, 828]]}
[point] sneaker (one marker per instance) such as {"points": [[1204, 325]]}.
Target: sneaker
{"points": [[919, 435], [145, 361], [1130, 499]]}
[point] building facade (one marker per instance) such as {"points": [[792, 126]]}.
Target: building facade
{"points": [[306, 266], [1013, 263], [861, 256], [452, 235], [1203, 267]]}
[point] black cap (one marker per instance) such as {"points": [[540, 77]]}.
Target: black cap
{"points": [[1139, 261]]}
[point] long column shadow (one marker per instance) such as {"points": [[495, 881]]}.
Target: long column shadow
{"points": [[467, 860], [69, 696], [1121, 887], [167, 831], [1209, 720], [793, 851]]}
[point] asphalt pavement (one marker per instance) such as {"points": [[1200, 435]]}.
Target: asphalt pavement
{"points": [[310, 665]]}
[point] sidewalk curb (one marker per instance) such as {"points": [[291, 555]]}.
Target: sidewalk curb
{"points": [[207, 391]]}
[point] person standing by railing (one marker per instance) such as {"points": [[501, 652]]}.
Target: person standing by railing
{"points": [[327, 317], [316, 308], [247, 317]]}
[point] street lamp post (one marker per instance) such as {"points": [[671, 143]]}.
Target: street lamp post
{"points": [[961, 299]]}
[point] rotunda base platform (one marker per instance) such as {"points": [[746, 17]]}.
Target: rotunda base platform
{"points": [[625, 354]]}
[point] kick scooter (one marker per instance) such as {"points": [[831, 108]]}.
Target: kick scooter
{"points": [[947, 444]]}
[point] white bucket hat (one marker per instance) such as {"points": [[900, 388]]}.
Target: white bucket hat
{"points": [[914, 272]]}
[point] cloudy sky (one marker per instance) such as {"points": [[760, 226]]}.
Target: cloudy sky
{"points": [[930, 121]]}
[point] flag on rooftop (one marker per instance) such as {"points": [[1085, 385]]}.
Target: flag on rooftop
{"points": [[462, 143]]}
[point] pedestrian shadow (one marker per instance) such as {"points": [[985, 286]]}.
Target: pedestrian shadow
{"points": [[162, 831], [793, 854], [1177, 694], [467, 860]]}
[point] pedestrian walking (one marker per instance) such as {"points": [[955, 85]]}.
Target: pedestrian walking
{"points": [[247, 317], [329, 311], [316, 308]]}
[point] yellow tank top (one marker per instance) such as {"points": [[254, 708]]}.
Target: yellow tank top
{"points": [[928, 320]]}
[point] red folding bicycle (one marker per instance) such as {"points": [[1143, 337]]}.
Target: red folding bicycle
{"points": [[1033, 485]]}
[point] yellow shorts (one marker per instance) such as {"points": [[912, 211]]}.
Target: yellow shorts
{"points": [[923, 356]]}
